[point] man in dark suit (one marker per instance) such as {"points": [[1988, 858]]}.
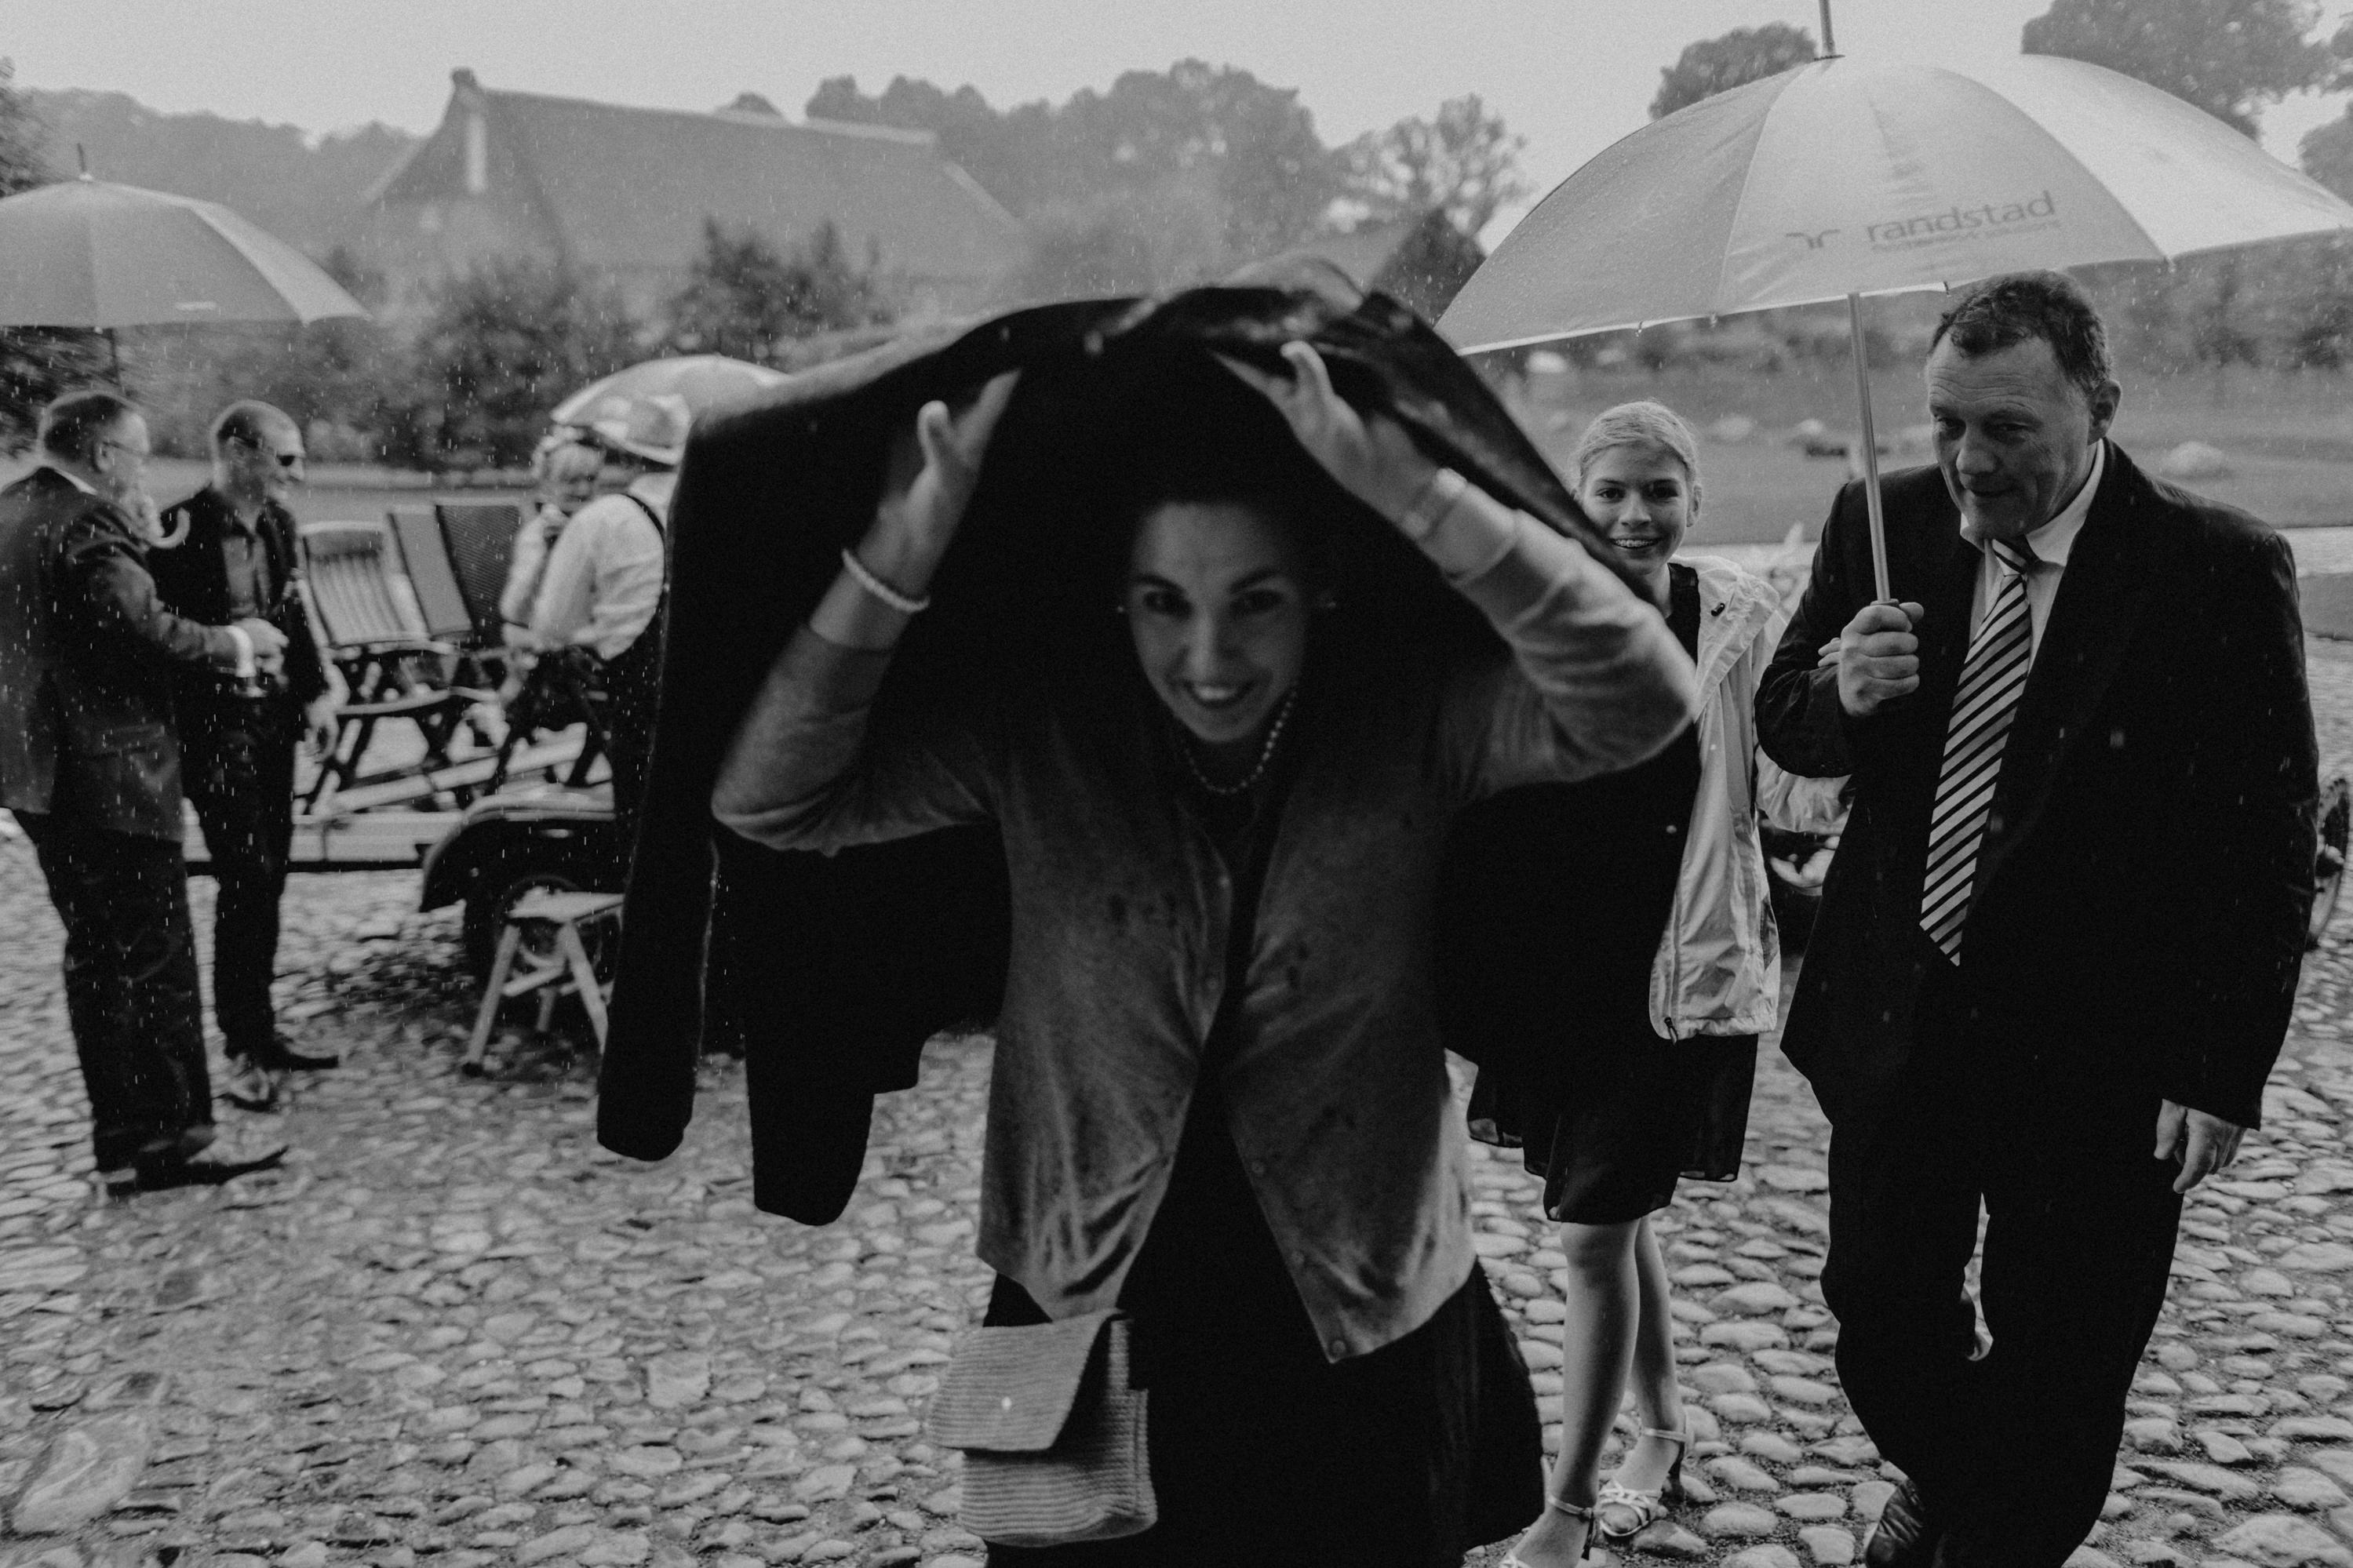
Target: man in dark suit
{"points": [[231, 558], [2059, 944], [90, 767]]}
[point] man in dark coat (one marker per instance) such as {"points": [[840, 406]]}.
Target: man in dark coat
{"points": [[90, 766], [2064, 925], [231, 558]]}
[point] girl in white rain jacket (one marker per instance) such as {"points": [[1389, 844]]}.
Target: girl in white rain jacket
{"points": [[1637, 907]]}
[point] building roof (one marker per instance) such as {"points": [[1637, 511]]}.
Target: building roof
{"points": [[630, 188]]}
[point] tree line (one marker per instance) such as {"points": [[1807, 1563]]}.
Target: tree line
{"points": [[1170, 177], [1163, 179]]}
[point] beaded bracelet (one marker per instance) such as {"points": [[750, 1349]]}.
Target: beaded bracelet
{"points": [[1430, 508], [905, 604]]}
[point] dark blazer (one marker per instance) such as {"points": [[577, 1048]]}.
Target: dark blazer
{"points": [[2147, 870], [798, 960], [191, 579], [87, 656]]}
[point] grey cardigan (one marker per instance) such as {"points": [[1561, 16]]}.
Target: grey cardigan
{"points": [[1338, 1092]]}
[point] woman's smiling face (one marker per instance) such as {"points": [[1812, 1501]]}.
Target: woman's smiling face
{"points": [[1218, 612], [1642, 500]]}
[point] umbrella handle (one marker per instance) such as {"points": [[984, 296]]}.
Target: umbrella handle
{"points": [[1870, 453]]}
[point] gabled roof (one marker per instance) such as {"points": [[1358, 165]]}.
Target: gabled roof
{"points": [[630, 188]]}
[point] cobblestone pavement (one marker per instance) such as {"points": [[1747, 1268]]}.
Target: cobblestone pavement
{"points": [[453, 1332]]}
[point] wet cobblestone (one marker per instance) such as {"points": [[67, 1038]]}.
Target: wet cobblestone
{"points": [[454, 1332]]}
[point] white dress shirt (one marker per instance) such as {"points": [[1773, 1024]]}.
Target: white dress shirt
{"points": [[603, 579], [2051, 544]]}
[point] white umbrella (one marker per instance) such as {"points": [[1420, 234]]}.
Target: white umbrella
{"points": [[1847, 177], [702, 381], [83, 253]]}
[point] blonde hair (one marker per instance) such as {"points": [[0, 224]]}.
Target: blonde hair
{"points": [[1642, 424], [564, 459]]}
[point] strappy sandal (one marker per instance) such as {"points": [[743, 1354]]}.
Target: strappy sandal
{"points": [[1513, 1559], [1621, 1511]]}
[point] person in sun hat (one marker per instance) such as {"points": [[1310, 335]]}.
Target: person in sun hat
{"points": [[601, 589]]}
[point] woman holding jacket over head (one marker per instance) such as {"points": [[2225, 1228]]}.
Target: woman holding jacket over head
{"points": [[1616, 990], [1219, 1100]]}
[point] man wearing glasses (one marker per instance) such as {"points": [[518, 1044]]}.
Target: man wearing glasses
{"points": [[226, 556], [90, 766]]}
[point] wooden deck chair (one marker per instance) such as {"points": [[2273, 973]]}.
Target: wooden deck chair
{"points": [[479, 537], [368, 614], [439, 600], [448, 615]]}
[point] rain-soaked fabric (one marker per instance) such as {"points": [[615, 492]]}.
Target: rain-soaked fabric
{"points": [[801, 961], [131, 985]]}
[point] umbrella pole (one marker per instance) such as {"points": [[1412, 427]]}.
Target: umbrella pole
{"points": [[1870, 451], [114, 357]]}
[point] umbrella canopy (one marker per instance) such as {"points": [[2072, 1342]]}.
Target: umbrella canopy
{"points": [[87, 254], [701, 381], [1848, 177]]}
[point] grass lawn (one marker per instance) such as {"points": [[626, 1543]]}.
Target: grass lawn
{"points": [[2288, 436]]}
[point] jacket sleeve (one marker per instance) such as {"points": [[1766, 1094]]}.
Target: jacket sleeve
{"points": [[1786, 800], [821, 763], [1595, 681], [105, 590], [1799, 722], [2253, 772]]}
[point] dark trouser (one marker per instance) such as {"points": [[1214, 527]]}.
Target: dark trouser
{"points": [[239, 766], [632, 688], [2012, 1454], [131, 987]]}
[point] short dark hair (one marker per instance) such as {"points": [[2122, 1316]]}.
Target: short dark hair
{"points": [[2003, 312], [74, 426], [247, 420]]}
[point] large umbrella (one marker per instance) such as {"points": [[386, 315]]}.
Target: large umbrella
{"points": [[87, 254], [701, 381], [1845, 177]]}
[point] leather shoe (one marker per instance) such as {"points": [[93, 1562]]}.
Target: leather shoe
{"points": [[1906, 1536], [282, 1055], [222, 1161]]}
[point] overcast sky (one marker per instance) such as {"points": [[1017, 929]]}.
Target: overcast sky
{"points": [[1571, 76]]}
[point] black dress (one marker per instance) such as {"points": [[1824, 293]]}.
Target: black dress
{"points": [[1555, 899], [1262, 1450]]}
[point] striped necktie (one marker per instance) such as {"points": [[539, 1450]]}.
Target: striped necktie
{"points": [[2000, 655]]}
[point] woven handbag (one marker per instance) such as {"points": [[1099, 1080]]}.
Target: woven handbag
{"points": [[1052, 1427]]}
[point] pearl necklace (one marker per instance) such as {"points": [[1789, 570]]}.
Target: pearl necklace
{"points": [[1265, 755]]}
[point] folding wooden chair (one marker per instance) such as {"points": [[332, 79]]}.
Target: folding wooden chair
{"points": [[556, 962], [369, 616]]}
